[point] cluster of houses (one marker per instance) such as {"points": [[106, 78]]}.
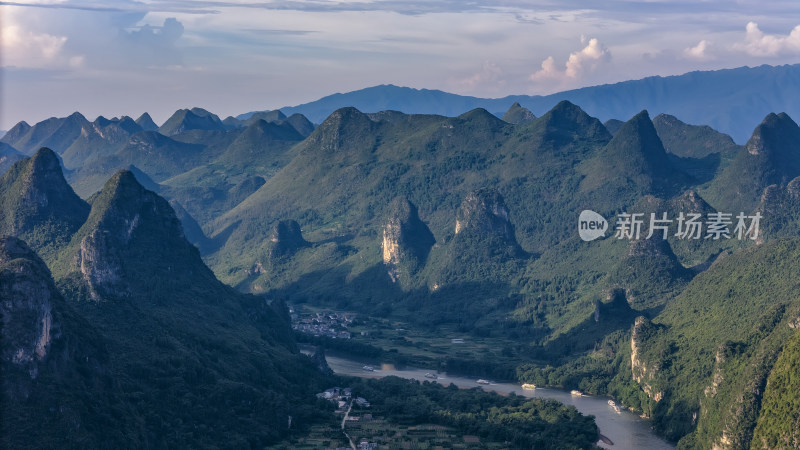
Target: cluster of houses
{"points": [[363, 445], [367, 445], [330, 324], [342, 396]]}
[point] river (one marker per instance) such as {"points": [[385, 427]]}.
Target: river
{"points": [[625, 429]]}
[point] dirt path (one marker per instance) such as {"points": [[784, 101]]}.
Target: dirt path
{"points": [[344, 420]]}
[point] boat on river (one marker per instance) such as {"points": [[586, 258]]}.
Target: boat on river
{"points": [[529, 386]]}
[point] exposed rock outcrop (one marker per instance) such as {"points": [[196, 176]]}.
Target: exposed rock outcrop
{"points": [[484, 248], [286, 238], [129, 227], [779, 208], [100, 267], [483, 212], [406, 239], [717, 378], [643, 372], [26, 302]]}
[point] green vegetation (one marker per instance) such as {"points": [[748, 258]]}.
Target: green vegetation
{"points": [[430, 228], [691, 141], [779, 422], [721, 339], [37, 204], [518, 115], [182, 354], [523, 422], [769, 157]]}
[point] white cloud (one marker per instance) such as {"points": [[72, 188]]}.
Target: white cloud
{"points": [[700, 52], [587, 59], [756, 43], [548, 70], [579, 63], [263, 55], [26, 48], [70, 39], [153, 45]]}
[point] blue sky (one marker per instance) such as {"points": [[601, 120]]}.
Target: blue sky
{"points": [[125, 57]]}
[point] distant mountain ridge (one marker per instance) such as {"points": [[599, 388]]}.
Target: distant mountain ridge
{"points": [[732, 101], [459, 224]]}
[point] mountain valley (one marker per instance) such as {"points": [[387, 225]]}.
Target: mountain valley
{"points": [[148, 272]]}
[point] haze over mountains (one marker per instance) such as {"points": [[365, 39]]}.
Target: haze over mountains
{"points": [[731, 101], [451, 225]]}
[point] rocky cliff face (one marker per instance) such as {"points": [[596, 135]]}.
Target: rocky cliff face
{"points": [[52, 361], [99, 266], [780, 211], [130, 229], [286, 238], [717, 378], [406, 239], [643, 372], [484, 248], [26, 303], [484, 212]]}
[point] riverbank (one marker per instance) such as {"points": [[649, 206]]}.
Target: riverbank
{"points": [[624, 429]]}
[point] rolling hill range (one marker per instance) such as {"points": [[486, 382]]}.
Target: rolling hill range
{"points": [[731, 101], [500, 201], [456, 223], [123, 336]]}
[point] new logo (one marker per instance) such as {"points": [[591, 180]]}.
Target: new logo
{"points": [[591, 225]]}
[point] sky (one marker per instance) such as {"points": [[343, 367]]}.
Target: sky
{"points": [[125, 57]]}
